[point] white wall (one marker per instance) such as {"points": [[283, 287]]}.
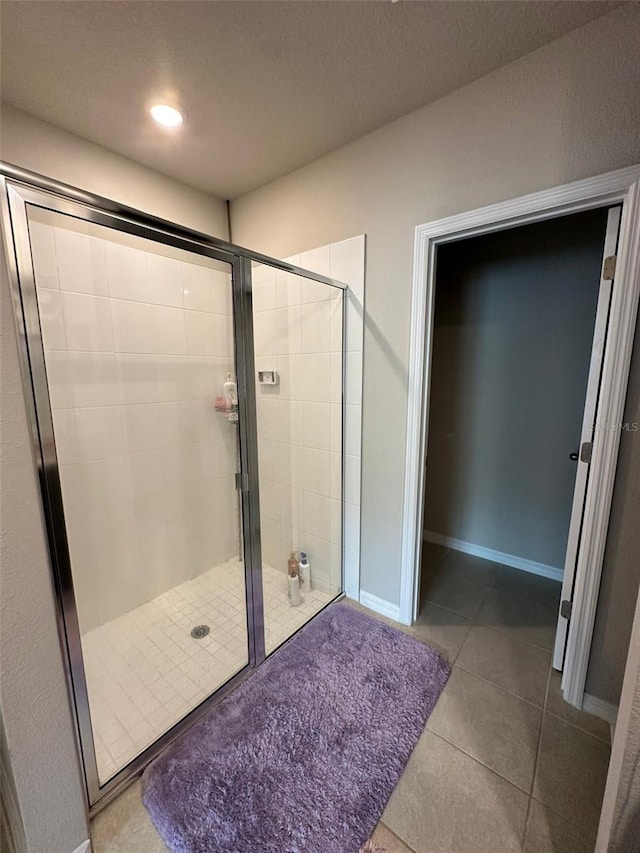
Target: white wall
{"points": [[35, 707], [137, 346], [513, 331], [33, 144], [567, 111]]}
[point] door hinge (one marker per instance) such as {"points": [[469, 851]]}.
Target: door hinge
{"points": [[585, 451], [242, 482], [609, 267], [565, 609]]}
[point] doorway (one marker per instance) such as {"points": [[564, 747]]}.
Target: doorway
{"points": [[519, 328], [139, 357], [516, 341], [613, 189]]}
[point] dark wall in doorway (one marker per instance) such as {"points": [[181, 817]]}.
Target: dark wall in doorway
{"points": [[514, 322]]}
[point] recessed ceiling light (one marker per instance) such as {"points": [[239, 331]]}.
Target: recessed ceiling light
{"points": [[167, 115]]}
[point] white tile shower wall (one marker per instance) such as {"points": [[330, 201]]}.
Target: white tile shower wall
{"points": [[137, 347], [347, 264], [298, 333]]}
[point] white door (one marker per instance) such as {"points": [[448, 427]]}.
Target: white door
{"points": [[583, 452]]}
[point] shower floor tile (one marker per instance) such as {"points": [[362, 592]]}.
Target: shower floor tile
{"points": [[145, 672]]}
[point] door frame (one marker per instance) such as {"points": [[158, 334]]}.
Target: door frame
{"points": [[618, 187], [18, 189], [589, 413]]}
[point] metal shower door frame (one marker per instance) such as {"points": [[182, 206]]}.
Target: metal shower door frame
{"points": [[20, 189]]}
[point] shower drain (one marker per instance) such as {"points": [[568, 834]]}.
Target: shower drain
{"points": [[200, 631]]}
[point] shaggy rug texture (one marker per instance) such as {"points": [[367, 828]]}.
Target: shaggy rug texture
{"points": [[303, 756]]}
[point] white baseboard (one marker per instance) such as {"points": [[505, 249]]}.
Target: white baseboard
{"points": [[85, 847], [495, 556], [352, 574], [379, 605], [600, 708]]}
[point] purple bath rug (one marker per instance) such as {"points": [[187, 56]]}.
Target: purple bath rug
{"points": [[303, 756]]}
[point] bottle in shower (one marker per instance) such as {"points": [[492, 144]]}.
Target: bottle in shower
{"points": [[230, 391], [304, 572], [293, 568]]}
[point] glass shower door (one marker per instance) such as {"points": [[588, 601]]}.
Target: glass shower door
{"points": [[138, 351], [298, 341], [183, 421]]}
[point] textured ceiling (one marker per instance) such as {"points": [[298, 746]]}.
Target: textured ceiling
{"points": [[269, 86]]}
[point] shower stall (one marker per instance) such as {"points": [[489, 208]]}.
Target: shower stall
{"points": [[186, 400]]}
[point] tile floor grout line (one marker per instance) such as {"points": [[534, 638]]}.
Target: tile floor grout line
{"points": [[579, 728], [569, 819], [498, 687], [521, 594], [515, 640], [507, 589], [479, 761], [399, 837], [535, 762], [555, 811], [447, 551], [475, 621], [454, 662], [562, 719], [516, 594], [522, 575], [466, 640], [481, 586], [489, 770], [446, 610], [503, 629], [493, 684]]}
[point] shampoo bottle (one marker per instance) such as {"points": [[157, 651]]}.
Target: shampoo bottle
{"points": [[304, 571]]}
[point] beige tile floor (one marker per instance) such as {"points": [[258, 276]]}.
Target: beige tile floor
{"points": [[504, 763]]}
